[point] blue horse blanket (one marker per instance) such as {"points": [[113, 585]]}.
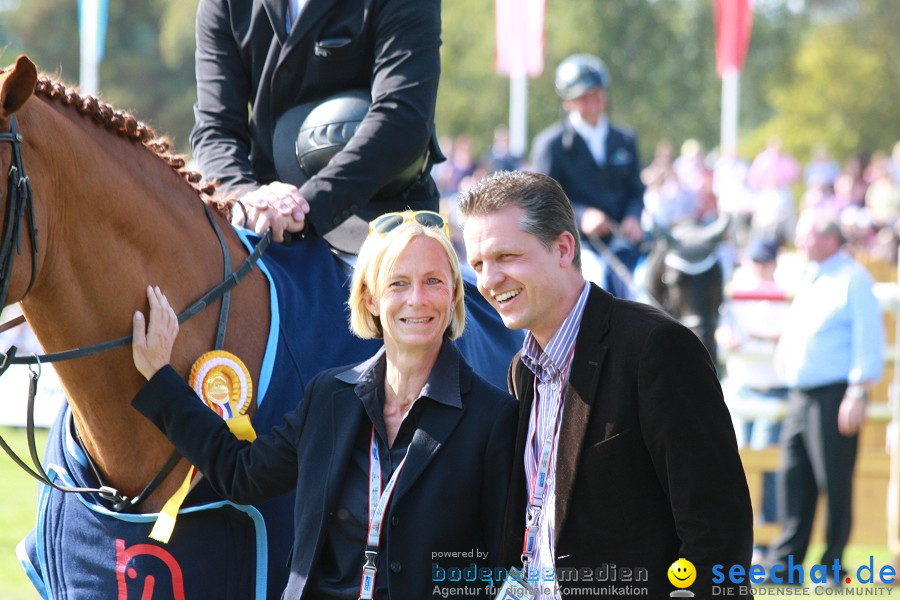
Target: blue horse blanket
{"points": [[81, 549]]}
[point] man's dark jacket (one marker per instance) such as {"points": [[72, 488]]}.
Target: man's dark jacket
{"points": [[648, 469], [246, 57]]}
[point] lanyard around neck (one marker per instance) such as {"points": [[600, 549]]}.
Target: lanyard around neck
{"points": [[378, 503], [540, 481]]}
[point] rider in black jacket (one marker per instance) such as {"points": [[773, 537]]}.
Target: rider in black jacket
{"points": [[597, 165]]}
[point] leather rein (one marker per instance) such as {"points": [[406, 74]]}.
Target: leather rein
{"points": [[19, 207]]}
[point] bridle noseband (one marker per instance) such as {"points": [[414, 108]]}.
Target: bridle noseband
{"points": [[19, 207]]}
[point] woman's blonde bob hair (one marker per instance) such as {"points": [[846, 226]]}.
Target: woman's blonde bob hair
{"points": [[374, 265]]}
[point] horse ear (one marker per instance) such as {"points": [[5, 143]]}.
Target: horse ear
{"points": [[16, 86]]}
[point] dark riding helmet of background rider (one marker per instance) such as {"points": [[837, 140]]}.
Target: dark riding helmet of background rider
{"points": [[579, 74]]}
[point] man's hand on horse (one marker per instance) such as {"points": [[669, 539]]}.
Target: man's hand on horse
{"points": [[151, 346], [277, 205]]}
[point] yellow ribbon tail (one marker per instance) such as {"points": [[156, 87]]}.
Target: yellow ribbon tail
{"points": [[241, 427], [165, 522], [217, 377]]}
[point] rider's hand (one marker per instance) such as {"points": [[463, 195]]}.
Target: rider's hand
{"points": [[151, 347], [631, 229], [594, 222], [277, 205]]}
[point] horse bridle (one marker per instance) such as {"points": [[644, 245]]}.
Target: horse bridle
{"points": [[19, 206]]}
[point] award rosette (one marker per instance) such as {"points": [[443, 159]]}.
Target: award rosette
{"points": [[223, 382]]}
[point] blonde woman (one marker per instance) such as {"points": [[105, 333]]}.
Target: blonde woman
{"points": [[401, 463]]}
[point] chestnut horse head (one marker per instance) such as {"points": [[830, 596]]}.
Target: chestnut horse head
{"points": [[114, 211]]}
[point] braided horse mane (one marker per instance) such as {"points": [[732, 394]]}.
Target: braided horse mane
{"points": [[128, 126]]}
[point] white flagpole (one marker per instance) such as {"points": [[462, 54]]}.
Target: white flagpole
{"points": [[520, 47], [730, 109], [89, 30], [518, 113]]}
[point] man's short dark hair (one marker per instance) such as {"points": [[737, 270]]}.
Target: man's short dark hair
{"points": [[547, 210]]}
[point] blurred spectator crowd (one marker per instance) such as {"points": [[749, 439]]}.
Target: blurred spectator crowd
{"points": [[763, 195]]}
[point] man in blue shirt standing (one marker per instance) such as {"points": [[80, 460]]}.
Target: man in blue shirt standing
{"points": [[830, 352]]}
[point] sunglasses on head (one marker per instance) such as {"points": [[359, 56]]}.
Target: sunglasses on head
{"points": [[390, 221]]}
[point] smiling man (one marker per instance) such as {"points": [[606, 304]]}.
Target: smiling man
{"points": [[626, 455]]}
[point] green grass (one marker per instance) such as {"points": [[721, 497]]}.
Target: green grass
{"points": [[18, 505]]}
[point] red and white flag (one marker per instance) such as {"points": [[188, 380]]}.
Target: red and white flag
{"points": [[733, 21], [520, 37]]}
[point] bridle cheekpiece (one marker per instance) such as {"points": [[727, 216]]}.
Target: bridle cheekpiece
{"points": [[19, 206]]}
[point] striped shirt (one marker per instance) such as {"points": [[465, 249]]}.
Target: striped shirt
{"points": [[551, 369]]}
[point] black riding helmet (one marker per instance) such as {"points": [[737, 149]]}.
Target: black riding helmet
{"points": [[308, 136], [580, 73]]}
